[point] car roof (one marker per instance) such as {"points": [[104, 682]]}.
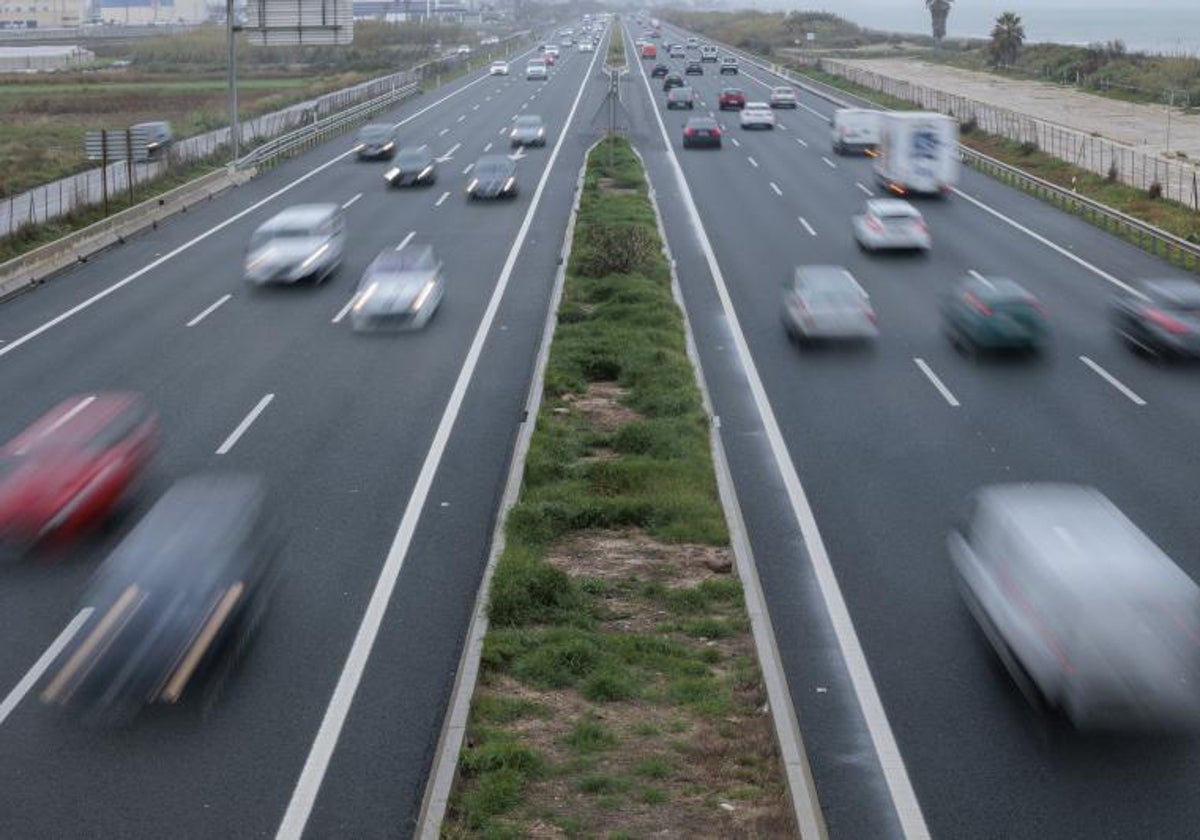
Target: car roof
{"points": [[410, 258], [1174, 291], [494, 162], [750, 106], [824, 276], [76, 421], [997, 288], [301, 214], [782, 89], [529, 119], [891, 207], [701, 122], [372, 128]]}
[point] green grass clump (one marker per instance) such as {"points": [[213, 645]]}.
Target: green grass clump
{"points": [[587, 737]]}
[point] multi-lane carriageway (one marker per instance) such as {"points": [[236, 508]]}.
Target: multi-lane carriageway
{"points": [[386, 457]]}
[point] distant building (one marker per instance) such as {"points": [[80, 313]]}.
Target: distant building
{"points": [[42, 14], [406, 10], [140, 12]]}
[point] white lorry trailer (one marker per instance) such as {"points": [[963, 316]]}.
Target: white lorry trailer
{"points": [[918, 153]]}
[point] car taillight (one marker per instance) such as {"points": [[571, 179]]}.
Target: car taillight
{"points": [[921, 226], [1162, 319], [714, 132], [870, 314], [874, 224], [689, 132], [976, 304]]}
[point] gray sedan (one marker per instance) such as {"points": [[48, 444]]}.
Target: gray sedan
{"points": [[826, 302], [399, 290], [528, 130]]}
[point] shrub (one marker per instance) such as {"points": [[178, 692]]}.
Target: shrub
{"points": [[528, 590], [616, 249], [1027, 148], [1113, 174], [969, 126], [1155, 190]]}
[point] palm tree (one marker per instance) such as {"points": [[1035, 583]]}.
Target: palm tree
{"points": [[939, 10], [1008, 35]]}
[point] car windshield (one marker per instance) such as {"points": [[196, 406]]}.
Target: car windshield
{"points": [[375, 133], [529, 122], [493, 167], [412, 258], [412, 157]]}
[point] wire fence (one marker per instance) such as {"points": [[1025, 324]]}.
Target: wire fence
{"points": [[86, 189], [1178, 180]]}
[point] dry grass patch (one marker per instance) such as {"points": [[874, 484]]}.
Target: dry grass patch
{"points": [[601, 407]]}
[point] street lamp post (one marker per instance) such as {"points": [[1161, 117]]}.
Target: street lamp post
{"points": [[234, 128]]}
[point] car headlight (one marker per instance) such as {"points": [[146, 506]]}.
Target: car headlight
{"points": [[359, 147], [423, 296], [258, 260], [541, 132], [508, 185], [471, 186], [389, 145], [392, 174], [513, 134], [316, 255], [425, 171], [365, 296]]}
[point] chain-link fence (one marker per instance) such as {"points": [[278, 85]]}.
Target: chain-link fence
{"points": [[1178, 180], [86, 189]]}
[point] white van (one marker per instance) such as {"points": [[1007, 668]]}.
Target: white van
{"points": [[918, 153], [855, 130], [708, 53], [305, 241]]}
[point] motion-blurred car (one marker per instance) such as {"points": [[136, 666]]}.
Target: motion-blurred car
{"points": [[890, 224], [536, 70], [498, 68], [528, 130], [731, 99], [826, 302], [73, 467], [298, 243], [493, 176], [158, 137], [672, 80], [693, 68], [414, 167], [1089, 616], [757, 115], [587, 46], [993, 313], [1164, 320], [729, 65], [659, 71], [783, 97], [681, 97], [375, 141], [399, 290], [701, 132], [678, 51], [181, 593]]}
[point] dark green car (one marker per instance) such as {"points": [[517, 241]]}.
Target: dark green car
{"points": [[993, 314]]}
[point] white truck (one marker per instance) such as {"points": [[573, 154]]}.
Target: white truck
{"points": [[918, 153], [855, 130]]}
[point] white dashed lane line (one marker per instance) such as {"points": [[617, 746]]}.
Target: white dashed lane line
{"points": [[346, 206], [801, 142], [211, 309], [441, 200], [866, 190], [753, 162], [828, 162], [947, 395], [804, 224], [247, 421], [1113, 381], [775, 187], [735, 141]]}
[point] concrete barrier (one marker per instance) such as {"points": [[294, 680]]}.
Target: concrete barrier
{"points": [[21, 273]]}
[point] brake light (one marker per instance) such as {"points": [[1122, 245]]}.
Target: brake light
{"points": [[1165, 321], [919, 224], [874, 224], [976, 304], [715, 132], [689, 132], [871, 314]]}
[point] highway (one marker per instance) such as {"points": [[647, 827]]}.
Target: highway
{"points": [[888, 442], [385, 457]]}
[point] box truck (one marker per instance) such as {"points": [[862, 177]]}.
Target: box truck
{"points": [[918, 153]]}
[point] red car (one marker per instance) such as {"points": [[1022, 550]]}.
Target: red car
{"points": [[732, 99], [71, 468]]}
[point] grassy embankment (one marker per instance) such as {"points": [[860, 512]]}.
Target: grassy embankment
{"points": [[181, 79], [619, 691], [1170, 216]]}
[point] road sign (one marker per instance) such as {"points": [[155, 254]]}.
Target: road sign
{"points": [[117, 144], [289, 22]]}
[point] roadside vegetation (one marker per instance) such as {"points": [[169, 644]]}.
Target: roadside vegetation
{"points": [[619, 691], [616, 46], [182, 79]]}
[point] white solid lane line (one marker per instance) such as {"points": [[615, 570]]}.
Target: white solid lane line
{"points": [[981, 278], [775, 187], [346, 206], [804, 223], [753, 162], [467, 169], [828, 162], [211, 309], [461, 117], [937, 383], [308, 786], [1113, 381], [14, 697], [801, 142], [245, 424], [237, 217], [406, 240], [866, 190], [445, 195], [735, 141], [781, 126], [904, 798], [487, 148]]}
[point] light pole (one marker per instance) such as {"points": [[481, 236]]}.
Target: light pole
{"points": [[234, 128]]}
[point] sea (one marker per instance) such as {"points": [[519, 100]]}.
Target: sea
{"points": [[1170, 27]]}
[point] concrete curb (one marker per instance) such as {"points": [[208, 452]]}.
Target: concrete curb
{"points": [[22, 273], [805, 805], [454, 728]]}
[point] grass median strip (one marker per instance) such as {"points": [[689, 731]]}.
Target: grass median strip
{"points": [[619, 692]]}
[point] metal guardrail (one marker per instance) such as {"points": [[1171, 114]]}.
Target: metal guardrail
{"points": [[1148, 237]]}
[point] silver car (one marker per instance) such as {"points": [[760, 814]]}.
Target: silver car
{"points": [[1089, 616], [301, 242], [399, 290], [528, 130], [783, 97], [826, 302], [891, 224]]}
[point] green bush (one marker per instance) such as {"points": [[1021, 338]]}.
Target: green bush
{"points": [[616, 249], [528, 590]]}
